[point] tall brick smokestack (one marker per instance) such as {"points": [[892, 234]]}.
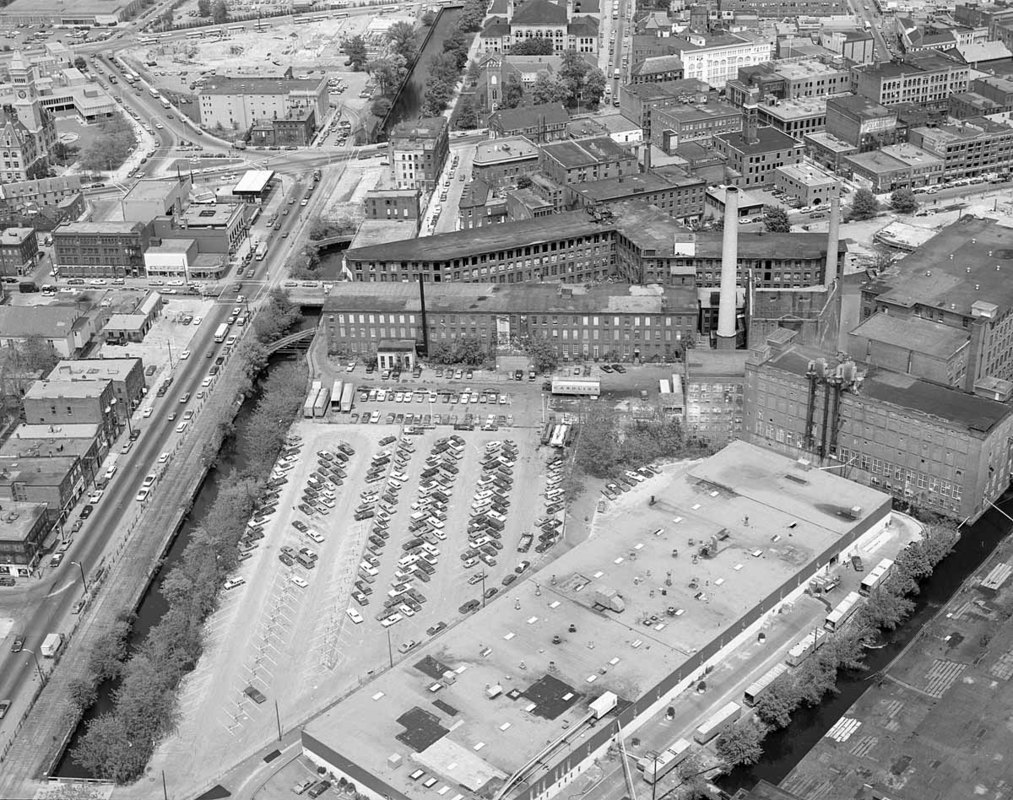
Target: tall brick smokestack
{"points": [[833, 237], [726, 339]]}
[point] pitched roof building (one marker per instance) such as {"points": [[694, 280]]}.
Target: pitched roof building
{"points": [[572, 25]]}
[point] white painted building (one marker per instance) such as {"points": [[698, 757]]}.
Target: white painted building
{"points": [[716, 59]]}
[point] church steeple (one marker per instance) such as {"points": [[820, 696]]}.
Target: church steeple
{"points": [[26, 100]]}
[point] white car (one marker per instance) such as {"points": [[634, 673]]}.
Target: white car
{"points": [[142, 495], [197, 320], [300, 582], [181, 428], [184, 355], [147, 412], [315, 536], [392, 619], [163, 458], [232, 583], [354, 616], [94, 497]]}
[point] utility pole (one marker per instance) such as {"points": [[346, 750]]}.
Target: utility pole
{"points": [[390, 650], [277, 717], [165, 792]]}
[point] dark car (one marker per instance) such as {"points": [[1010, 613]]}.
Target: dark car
{"points": [[489, 593], [435, 629], [19, 644], [856, 562], [619, 368], [286, 559], [300, 526], [254, 694], [319, 788], [606, 368], [468, 607], [507, 580], [86, 511]]}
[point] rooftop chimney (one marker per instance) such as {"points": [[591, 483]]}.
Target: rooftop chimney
{"points": [[726, 339], [750, 113]]}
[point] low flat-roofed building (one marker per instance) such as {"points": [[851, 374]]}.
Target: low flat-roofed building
{"points": [[861, 122], [66, 328], [541, 123], [877, 170], [479, 705], [939, 448], [77, 440], [127, 375], [218, 227], [396, 354], [77, 12], [254, 186], [478, 207], [522, 203], [657, 69], [132, 327], [926, 168], [638, 102], [501, 161], [810, 185], [23, 528], [373, 233], [681, 197], [402, 205], [149, 198], [235, 104], [969, 148], [621, 130]]}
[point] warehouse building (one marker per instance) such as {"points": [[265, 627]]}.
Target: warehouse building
{"points": [[523, 696]]}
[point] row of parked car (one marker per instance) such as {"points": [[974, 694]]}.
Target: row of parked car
{"points": [[489, 509], [626, 480]]}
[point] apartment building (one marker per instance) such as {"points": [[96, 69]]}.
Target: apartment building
{"points": [[673, 126], [582, 160], [19, 250], [790, 79], [500, 162], [639, 102], [797, 118], [101, 249], [925, 78], [417, 151], [755, 153], [612, 322], [237, 104]]}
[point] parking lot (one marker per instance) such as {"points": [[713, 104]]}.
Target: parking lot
{"points": [[323, 599]]}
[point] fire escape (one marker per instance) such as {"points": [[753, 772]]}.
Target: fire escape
{"points": [[821, 434]]}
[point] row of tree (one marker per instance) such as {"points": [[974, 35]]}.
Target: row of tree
{"points": [[218, 10], [886, 608], [118, 744], [466, 350], [577, 84], [444, 72], [864, 205]]}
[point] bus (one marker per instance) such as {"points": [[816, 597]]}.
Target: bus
{"points": [[322, 401], [576, 388], [336, 395], [805, 647], [165, 103], [720, 722], [879, 574], [261, 251], [347, 397], [146, 40], [235, 29], [221, 332], [558, 436], [663, 386], [657, 767], [195, 35], [756, 689], [153, 92], [302, 20], [849, 605]]}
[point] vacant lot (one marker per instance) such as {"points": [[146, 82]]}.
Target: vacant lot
{"points": [[296, 644]]}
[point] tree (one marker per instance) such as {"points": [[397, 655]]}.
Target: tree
{"points": [[355, 49], [388, 74], [456, 45], [38, 354], [203, 8], [467, 113], [903, 201], [535, 46], [775, 706], [80, 63], [112, 145], [474, 73], [741, 744], [543, 354], [379, 108], [598, 447], [401, 36], [428, 18], [865, 205], [594, 86], [472, 15], [219, 12], [436, 96], [513, 91], [547, 89], [82, 693], [572, 72], [443, 67], [887, 607], [775, 219], [106, 658], [107, 752]]}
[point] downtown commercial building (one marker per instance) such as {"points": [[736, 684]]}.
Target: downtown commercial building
{"points": [[616, 321]]}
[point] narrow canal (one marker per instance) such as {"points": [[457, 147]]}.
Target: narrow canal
{"points": [[153, 604], [784, 749]]}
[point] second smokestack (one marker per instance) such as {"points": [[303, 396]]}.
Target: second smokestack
{"points": [[729, 271]]}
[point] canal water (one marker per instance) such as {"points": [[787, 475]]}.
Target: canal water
{"points": [[153, 604], [408, 103], [784, 749]]}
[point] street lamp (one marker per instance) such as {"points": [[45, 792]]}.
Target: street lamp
{"points": [[38, 666], [84, 580]]}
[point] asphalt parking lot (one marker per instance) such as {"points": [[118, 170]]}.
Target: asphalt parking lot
{"points": [[288, 629]]}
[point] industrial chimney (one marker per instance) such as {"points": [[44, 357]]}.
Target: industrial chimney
{"points": [[425, 322], [726, 338], [750, 115], [833, 237]]}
